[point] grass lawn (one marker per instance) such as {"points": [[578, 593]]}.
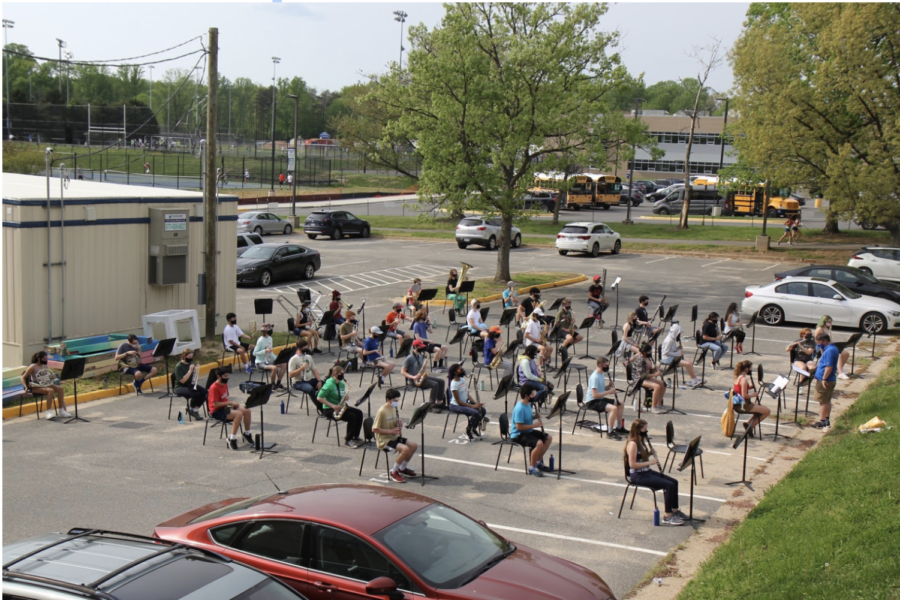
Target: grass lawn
{"points": [[830, 529]]}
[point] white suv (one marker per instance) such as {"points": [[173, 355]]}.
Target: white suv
{"points": [[882, 262], [485, 232], [588, 237]]}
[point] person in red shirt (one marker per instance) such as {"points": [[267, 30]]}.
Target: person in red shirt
{"points": [[281, 181], [223, 409], [393, 319], [335, 307]]}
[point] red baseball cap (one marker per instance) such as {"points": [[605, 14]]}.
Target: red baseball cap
{"points": [[419, 344], [597, 278]]}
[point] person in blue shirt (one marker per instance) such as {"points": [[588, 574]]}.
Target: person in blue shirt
{"points": [[598, 399], [492, 347], [526, 432], [510, 295], [372, 356], [826, 379]]}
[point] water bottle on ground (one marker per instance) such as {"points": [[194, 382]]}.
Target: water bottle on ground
{"points": [[552, 463], [282, 407], [180, 418], [656, 517]]}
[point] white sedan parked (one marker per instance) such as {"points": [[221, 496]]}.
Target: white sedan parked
{"points": [[588, 237], [807, 299]]}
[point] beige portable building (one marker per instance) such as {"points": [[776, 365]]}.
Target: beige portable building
{"points": [[99, 246]]}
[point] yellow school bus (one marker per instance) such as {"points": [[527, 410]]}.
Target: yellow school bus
{"points": [[742, 203], [588, 190]]}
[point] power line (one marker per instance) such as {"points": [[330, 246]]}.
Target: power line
{"points": [[97, 64]]}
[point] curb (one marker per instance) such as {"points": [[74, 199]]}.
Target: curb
{"points": [[160, 380]]}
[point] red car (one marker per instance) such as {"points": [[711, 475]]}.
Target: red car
{"points": [[350, 542]]}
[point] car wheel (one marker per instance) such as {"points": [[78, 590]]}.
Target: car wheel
{"points": [[336, 233], [664, 211], [873, 323], [258, 230], [772, 314], [517, 241], [771, 213], [867, 225], [866, 270], [576, 207], [288, 229], [595, 250], [462, 245], [563, 252], [265, 278], [618, 247], [606, 207], [311, 236], [309, 271], [365, 232], [492, 243]]}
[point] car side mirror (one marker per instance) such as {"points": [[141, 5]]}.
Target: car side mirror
{"points": [[384, 586], [837, 297]]}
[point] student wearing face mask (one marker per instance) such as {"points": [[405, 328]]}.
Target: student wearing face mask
{"points": [[232, 335], [393, 319], [222, 408], [804, 352], [671, 349], [185, 371], [640, 466], [600, 401], [461, 403], [34, 385], [824, 326], [387, 429], [333, 391]]}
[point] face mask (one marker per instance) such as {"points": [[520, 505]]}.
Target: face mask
{"points": [[189, 359], [809, 338], [462, 374], [606, 369], [339, 377], [395, 404], [397, 310], [643, 434], [225, 380]]}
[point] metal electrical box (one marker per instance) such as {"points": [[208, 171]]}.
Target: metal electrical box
{"points": [[169, 245]]}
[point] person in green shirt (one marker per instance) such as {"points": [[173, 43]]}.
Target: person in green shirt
{"points": [[566, 320], [184, 374], [333, 391]]}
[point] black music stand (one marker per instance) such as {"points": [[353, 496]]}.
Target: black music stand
{"points": [[743, 440], [612, 352], [283, 358], [702, 359], [164, 350], [559, 407], [563, 372], [365, 398], [615, 286], [874, 337], [418, 418], [464, 288], [752, 324], [503, 390], [73, 368], [484, 313], [403, 350], [670, 314], [672, 369], [694, 318], [509, 314], [458, 339], [556, 304], [660, 311], [426, 296], [362, 313], [326, 320], [690, 454], [809, 379], [304, 295], [259, 397], [262, 306], [851, 342], [636, 390], [586, 325], [775, 391]]}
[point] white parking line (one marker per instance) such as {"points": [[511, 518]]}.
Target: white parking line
{"points": [[771, 266], [576, 539], [659, 260], [359, 262], [715, 263]]}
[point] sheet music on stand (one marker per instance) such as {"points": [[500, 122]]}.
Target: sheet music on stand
{"points": [[776, 387], [799, 370]]}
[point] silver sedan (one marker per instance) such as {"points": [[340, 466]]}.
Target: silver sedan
{"points": [[262, 223]]}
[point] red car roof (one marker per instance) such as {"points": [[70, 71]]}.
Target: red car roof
{"points": [[364, 508]]}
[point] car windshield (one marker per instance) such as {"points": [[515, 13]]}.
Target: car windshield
{"points": [[470, 223], [230, 509], [258, 252], [444, 547], [268, 590], [845, 291], [570, 229]]}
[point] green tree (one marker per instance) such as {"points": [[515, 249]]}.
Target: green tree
{"points": [[493, 90], [819, 94]]}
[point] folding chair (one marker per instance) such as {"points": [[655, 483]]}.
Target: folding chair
{"points": [[636, 486], [320, 414]]}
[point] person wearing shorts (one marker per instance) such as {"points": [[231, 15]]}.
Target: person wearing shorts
{"points": [[526, 432], [598, 399], [387, 429], [826, 379], [141, 372]]}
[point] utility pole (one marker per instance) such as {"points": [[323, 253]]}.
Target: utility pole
{"points": [[275, 61], [151, 88], [69, 57], [61, 45], [7, 25], [210, 189], [400, 17], [296, 100], [722, 151], [628, 221]]}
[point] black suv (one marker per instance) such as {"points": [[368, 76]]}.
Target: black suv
{"points": [[542, 200], [335, 224], [264, 263], [107, 565]]}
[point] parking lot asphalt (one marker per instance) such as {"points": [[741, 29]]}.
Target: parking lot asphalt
{"points": [[131, 468]]}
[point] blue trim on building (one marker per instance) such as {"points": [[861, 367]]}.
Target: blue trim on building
{"points": [[84, 223]]}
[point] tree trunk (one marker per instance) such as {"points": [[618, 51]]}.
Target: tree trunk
{"points": [[893, 228], [831, 223], [556, 208], [503, 275]]}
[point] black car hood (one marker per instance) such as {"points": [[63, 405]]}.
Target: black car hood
{"points": [[243, 263]]}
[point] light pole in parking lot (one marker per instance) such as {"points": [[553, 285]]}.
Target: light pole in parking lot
{"points": [[275, 61], [628, 221], [400, 17], [296, 100]]}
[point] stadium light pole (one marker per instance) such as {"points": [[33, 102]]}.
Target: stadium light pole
{"points": [[7, 25], [151, 88], [400, 17], [296, 100], [61, 45], [637, 110], [275, 61], [69, 57], [722, 139]]}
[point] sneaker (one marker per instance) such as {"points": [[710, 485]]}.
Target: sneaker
{"points": [[380, 381], [621, 431], [233, 444], [50, 415], [470, 435], [195, 414], [408, 473], [779, 243], [674, 520], [64, 413], [680, 515], [138, 391], [536, 472], [658, 410], [843, 375], [635, 405], [249, 438], [248, 368], [352, 444], [613, 436], [740, 349], [396, 477], [317, 351], [821, 425]]}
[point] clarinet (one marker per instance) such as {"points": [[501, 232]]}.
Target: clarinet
{"points": [[653, 452]]}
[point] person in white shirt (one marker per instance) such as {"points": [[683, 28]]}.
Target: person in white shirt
{"points": [[265, 357], [598, 400], [473, 320], [302, 372], [671, 350], [232, 336], [533, 334]]}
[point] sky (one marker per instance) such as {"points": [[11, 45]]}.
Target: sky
{"points": [[331, 45]]}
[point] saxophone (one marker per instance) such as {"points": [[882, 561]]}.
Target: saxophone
{"points": [[498, 358], [342, 407], [420, 378]]}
